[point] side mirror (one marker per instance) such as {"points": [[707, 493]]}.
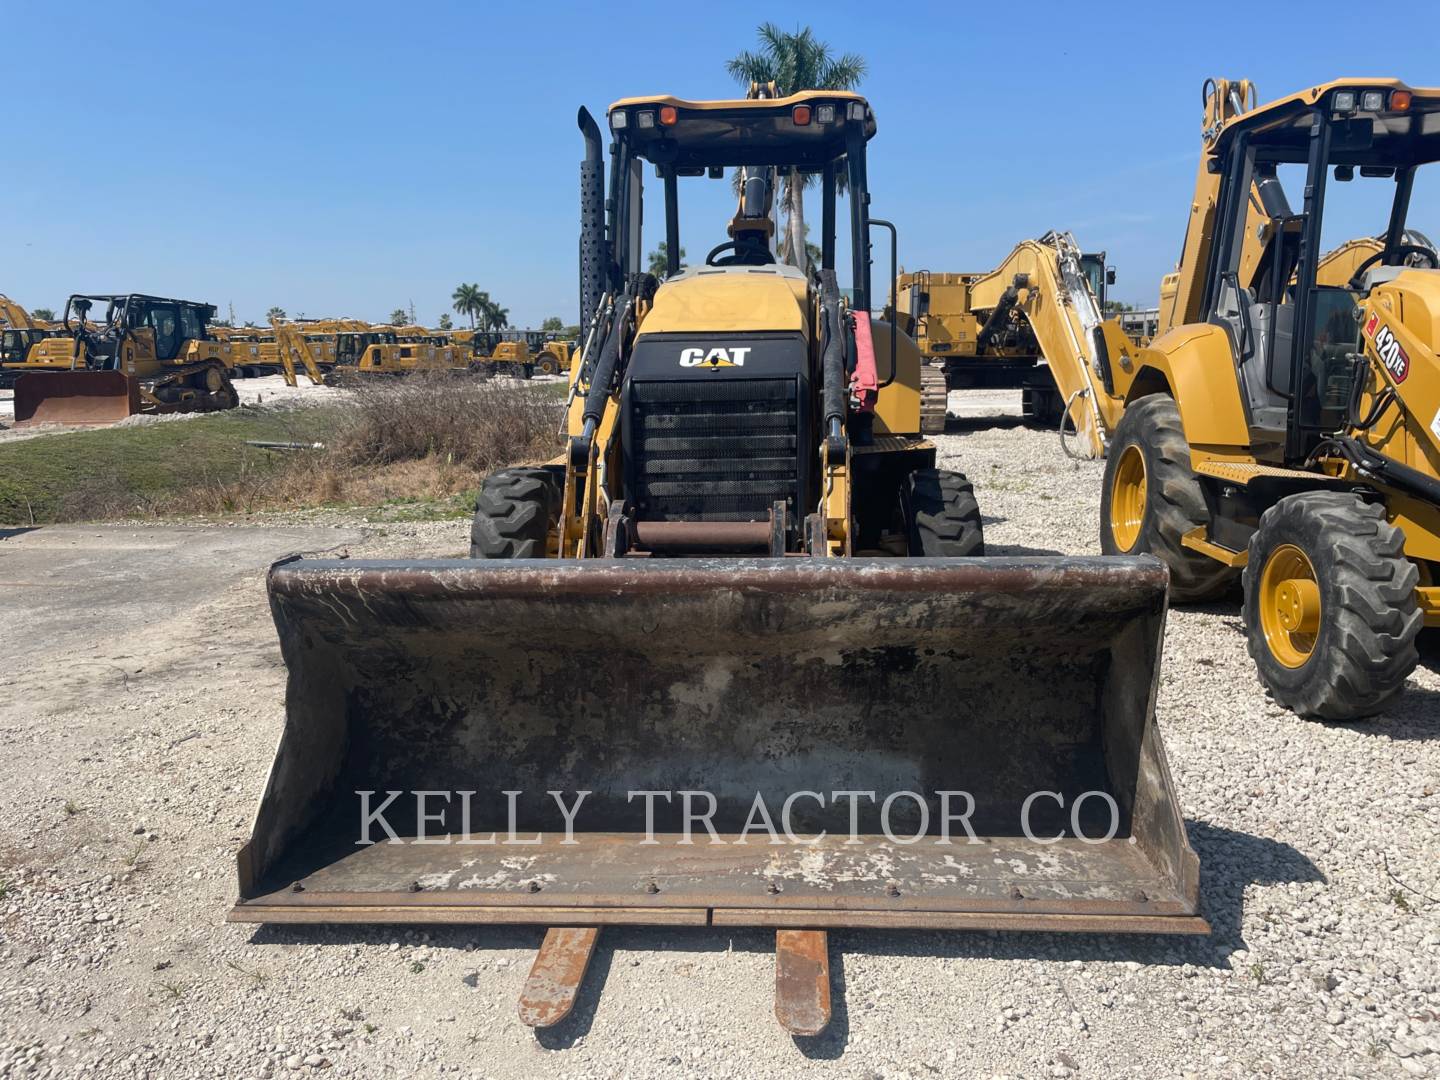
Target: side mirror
{"points": [[1109, 275]]}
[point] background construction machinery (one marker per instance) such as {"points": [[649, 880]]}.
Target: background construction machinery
{"points": [[1035, 323], [18, 332], [1284, 427], [766, 586], [145, 354]]}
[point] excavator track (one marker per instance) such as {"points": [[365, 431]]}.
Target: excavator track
{"points": [[934, 395]]}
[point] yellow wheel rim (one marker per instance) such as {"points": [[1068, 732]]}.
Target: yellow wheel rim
{"points": [[1127, 498], [1289, 605]]}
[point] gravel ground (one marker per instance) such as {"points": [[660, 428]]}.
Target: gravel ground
{"points": [[140, 724]]}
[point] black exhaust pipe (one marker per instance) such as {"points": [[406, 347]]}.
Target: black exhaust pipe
{"points": [[592, 222]]}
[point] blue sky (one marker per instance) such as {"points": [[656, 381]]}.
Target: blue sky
{"points": [[351, 158]]}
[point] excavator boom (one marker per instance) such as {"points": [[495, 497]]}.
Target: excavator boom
{"points": [[1044, 281]]}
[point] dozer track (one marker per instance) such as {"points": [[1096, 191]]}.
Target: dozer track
{"points": [[934, 399]]}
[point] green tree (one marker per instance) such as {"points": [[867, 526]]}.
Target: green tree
{"points": [[553, 325], [275, 314], [48, 314], [795, 62], [494, 316], [660, 259], [470, 301], [398, 317], [445, 323]]}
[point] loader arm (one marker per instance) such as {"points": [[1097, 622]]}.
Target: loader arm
{"points": [[1181, 292], [1042, 280]]}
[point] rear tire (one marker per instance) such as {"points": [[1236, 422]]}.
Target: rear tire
{"points": [[942, 515], [1150, 437], [1351, 651], [515, 513]]}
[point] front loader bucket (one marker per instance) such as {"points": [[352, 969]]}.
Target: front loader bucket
{"points": [[75, 397], [750, 695]]}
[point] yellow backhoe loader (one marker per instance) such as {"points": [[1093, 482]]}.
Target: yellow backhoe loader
{"points": [[147, 354], [773, 609], [1034, 323], [1285, 429]]}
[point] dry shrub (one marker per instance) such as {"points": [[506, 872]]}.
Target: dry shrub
{"points": [[474, 425], [424, 438]]}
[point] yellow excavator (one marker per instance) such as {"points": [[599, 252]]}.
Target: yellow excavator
{"points": [[145, 354], [791, 692], [296, 352], [18, 332], [1284, 429]]}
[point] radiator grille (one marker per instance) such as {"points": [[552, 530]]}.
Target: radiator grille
{"points": [[721, 450]]}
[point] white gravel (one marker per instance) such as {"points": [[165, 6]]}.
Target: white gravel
{"points": [[139, 734]]}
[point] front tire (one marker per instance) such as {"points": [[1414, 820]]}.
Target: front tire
{"points": [[942, 516], [515, 513], [1151, 499], [1330, 609]]}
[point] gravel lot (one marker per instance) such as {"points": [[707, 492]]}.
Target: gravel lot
{"points": [[141, 701]]}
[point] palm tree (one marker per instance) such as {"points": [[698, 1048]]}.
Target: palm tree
{"points": [[660, 259], [398, 317], [469, 301], [494, 316], [795, 62], [445, 323], [275, 314]]}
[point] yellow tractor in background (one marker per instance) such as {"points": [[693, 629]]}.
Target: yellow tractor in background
{"points": [[145, 354], [411, 351], [1284, 429], [1035, 323], [773, 610], [518, 353]]}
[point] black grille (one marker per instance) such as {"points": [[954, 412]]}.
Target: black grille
{"points": [[721, 450]]}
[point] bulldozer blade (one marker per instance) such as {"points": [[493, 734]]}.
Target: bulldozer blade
{"points": [[75, 397], [792, 743]]}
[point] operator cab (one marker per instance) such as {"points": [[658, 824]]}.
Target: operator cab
{"points": [[1296, 337], [167, 323], [764, 140], [743, 362]]}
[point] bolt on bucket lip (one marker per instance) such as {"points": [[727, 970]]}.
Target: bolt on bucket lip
{"points": [[1135, 576]]}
